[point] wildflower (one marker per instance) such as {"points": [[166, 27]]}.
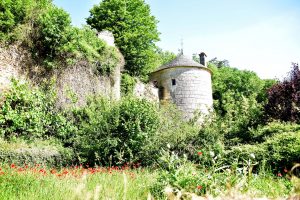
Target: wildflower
{"points": [[279, 174], [199, 187], [285, 170], [12, 165], [200, 153]]}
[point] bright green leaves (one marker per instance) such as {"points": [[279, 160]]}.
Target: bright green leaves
{"points": [[135, 31], [53, 25], [30, 113]]}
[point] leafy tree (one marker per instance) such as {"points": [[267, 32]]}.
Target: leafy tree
{"points": [[14, 13], [219, 63], [239, 97], [284, 98], [53, 26], [134, 29]]}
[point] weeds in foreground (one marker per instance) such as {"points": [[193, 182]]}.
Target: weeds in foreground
{"points": [[77, 182]]}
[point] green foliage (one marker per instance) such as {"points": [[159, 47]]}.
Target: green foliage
{"points": [[263, 132], [181, 178], [127, 84], [50, 153], [14, 14], [57, 39], [30, 113], [53, 25], [174, 132], [163, 57], [275, 144], [283, 149], [11, 14], [239, 97], [47, 31], [134, 29], [114, 133], [83, 43]]}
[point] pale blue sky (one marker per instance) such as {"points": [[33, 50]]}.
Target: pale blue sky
{"points": [[258, 35]]}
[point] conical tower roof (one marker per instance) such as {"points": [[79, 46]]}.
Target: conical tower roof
{"points": [[180, 61]]}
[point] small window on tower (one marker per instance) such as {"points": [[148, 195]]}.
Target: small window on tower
{"points": [[173, 82]]}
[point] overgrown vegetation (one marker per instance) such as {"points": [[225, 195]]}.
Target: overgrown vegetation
{"points": [[250, 140], [134, 29], [48, 32]]}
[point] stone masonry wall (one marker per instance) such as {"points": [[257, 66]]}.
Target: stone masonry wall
{"points": [[146, 91], [193, 89], [78, 80]]}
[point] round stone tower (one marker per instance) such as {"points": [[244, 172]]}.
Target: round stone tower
{"points": [[185, 83]]}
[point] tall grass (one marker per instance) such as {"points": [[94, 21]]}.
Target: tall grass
{"points": [[20, 183], [78, 183]]}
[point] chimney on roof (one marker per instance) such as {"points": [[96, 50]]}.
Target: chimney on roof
{"points": [[202, 56]]}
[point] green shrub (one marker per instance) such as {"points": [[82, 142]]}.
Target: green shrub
{"points": [[239, 97], [15, 14], [263, 132], [12, 13], [49, 153], [281, 148], [53, 25], [127, 84], [84, 44], [30, 113], [240, 155], [114, 133], [94, 141]]}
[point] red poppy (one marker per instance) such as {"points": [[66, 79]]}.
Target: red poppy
{"points": [[199, 187], [12, 165], [279, 174], [200, 153]]}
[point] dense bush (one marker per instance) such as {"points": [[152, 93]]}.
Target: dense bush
{"points": [[275, 144], [14, 14], [114, 133], [84, 44], [47, 31], [57, 39], [239, 97], [50, 153], [263, 132], [29, 113], [53, 25], [11, 14], [127, 84]]}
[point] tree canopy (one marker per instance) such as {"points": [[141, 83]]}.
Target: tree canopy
{"points": [[134, 29]]}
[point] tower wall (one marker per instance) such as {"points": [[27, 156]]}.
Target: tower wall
{"points": [[190, 88]]}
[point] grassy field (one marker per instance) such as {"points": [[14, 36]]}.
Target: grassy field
{"points": [[37, 182], [25, 183]]}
